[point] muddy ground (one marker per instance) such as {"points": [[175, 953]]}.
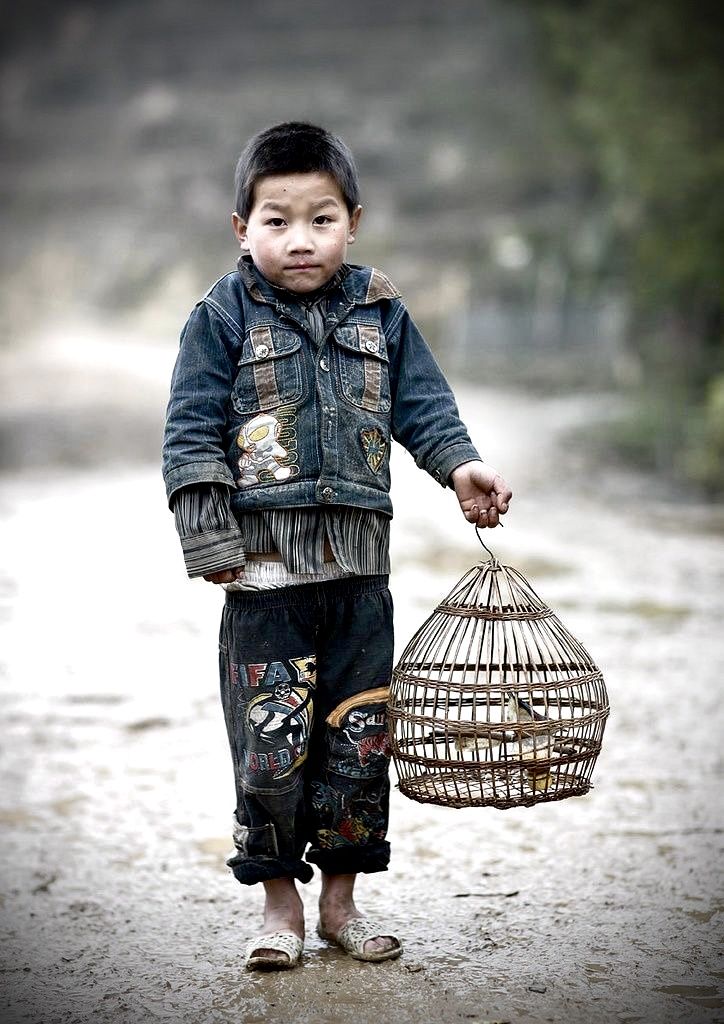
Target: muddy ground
{"points": [[117, 791]]}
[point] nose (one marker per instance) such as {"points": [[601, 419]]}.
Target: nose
{"points": [[299, 240]]}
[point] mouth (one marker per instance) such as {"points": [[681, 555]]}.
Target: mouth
{"points": [[302, 266]]}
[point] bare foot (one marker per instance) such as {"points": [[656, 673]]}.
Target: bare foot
{"points": [[283, 912], [337, 907]]}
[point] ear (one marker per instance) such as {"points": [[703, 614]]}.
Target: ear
{"points": [[240, 229], [353, 224]]}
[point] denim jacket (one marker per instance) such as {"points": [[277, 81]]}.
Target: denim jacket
{"points": [[257, 405]]}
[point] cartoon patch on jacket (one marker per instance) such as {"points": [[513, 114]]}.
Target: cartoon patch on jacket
{"points": [[263, 457]]}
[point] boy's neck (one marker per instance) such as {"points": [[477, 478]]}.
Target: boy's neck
{"points": [[305, 298]]}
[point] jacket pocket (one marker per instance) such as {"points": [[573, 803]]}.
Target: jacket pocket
{"points": [[362, 365], [270, 371]]}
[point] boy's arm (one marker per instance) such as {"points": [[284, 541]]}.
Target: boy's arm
{"points": [[425, 419], [210, 537], [193, 450], [194, 466]]}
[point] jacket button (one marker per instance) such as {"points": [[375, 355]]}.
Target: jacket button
{"points": [[262, 350], [327, 494], [371, 345], [324, 365]]}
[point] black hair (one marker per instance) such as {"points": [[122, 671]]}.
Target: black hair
{"points": [[294, 147]]}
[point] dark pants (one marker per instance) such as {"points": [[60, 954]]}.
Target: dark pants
{"points": [[304, 678]]}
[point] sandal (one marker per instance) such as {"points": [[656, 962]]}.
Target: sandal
{"points": [[281, 942], [353, 935]]}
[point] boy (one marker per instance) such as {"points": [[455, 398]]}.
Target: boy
{"points": [[293, 376]]}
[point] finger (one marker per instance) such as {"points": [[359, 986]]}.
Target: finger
{"points": [[503, 494], [493, 517], [472, 513], [223, 576]]}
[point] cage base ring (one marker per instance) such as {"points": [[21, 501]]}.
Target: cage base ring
{"points": [[456, 789]]}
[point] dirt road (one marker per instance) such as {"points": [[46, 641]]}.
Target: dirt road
{"points": [[117, 792]]}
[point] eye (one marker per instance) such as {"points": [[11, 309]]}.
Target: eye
{"points": [[274, 222], [323, 218]]}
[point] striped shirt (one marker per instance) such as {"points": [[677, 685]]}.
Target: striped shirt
{"points": [[212, 539], [210, 536]]}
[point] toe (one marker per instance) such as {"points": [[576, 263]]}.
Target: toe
{"points": [[272, 955], [381, 944]]}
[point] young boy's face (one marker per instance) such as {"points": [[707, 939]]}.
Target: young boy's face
{"points": [[298, 229]]}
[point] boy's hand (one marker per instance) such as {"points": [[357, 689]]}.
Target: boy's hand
{"points": [[482, 493], [226, 575]]}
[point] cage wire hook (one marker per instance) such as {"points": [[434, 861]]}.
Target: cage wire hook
{"points": [[478, 532]]}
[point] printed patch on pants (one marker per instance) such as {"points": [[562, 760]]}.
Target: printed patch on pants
{"points": [[268, 444], [374, 445], [348, 817], [277, 720], [359, 743]]}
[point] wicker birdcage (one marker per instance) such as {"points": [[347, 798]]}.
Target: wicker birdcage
{"points": [[493, 702]]}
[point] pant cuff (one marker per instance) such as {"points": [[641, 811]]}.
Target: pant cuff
{"points": [[351, 860], [249, 870]]}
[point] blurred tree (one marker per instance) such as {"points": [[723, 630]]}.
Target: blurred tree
{"points": [[643, 84]]}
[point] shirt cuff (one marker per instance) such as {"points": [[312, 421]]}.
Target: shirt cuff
{"points": [[210, 536], [213, 551]]}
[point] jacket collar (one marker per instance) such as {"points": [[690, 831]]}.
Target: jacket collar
{"points": [[366, 285], [362, 286]]}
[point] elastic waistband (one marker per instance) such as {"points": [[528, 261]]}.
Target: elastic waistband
{"points": [[306, 593]]}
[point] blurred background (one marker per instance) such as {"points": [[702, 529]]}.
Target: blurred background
{"points": [[544, 180]]}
